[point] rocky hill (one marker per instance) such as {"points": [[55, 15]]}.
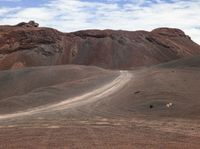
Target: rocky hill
{"points": [[26, 44]]}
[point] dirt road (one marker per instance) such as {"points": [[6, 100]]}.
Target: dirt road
{"points": [[92, 96]]}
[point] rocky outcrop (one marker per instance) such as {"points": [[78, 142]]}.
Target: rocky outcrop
{"points": [[124, 49], [170, 32], [26, 45], [29, 24]]}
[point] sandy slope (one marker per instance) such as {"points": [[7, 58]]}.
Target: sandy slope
{"points": [[104, 109], [106, 90]]}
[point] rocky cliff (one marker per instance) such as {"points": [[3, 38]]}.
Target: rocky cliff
{"points": [[26, 44]]}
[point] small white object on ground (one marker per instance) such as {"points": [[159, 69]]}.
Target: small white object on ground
{"points": [[169, 105]]}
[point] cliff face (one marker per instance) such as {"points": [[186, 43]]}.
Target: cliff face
{"points": [[28, 45], [31, 46], [123, 49]]}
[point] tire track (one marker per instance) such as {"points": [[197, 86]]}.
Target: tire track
{"points": [[89, 97]]}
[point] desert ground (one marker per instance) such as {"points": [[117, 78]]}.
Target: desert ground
{"points": [[89, 107]]}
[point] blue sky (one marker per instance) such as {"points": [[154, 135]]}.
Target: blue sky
{"points": [[72, 15], [22, 3], [37, 3]]}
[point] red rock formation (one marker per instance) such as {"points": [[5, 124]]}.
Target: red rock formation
{"points": [[32, 46], [123, 49], [29, 45]]}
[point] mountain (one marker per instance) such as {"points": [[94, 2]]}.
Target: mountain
{"points": [[54, 105], [26, 44]]}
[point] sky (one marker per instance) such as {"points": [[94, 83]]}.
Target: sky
{"points": [[73, 15]]}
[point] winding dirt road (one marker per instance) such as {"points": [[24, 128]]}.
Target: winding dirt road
{"points": [[89, 97]]}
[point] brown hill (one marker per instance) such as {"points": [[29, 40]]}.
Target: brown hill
{"points": [[27, 45]]}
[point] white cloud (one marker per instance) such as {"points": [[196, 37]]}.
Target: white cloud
{"points": [[72, 15], [4, 11]]}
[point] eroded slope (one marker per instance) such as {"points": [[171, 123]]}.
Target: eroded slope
{"points": [[25, 45]]}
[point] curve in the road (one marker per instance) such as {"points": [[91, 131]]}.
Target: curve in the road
{"points": [[92, 96]]}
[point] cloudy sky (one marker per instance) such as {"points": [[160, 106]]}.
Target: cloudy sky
{"points": [[72, 15]]}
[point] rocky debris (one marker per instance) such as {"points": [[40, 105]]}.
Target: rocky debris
{"points": [[151, 106], [29, 24], [169, 105], [30, 45], [137, 92]]}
